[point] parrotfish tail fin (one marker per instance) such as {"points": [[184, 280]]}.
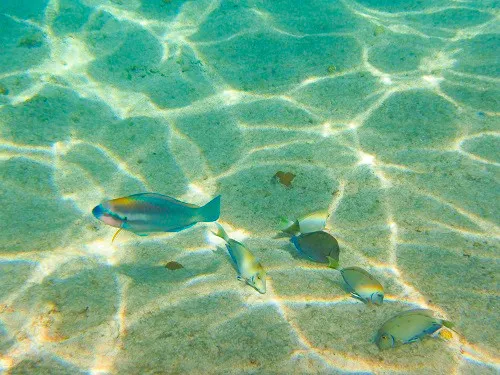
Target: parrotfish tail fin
{"points": [[221, 232], [210, 211], [333, 263]]}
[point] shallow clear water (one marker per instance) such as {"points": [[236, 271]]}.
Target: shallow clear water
{"points": [[386, 112]]}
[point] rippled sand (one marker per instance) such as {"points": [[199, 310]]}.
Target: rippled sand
{"points": [[386, 112]]}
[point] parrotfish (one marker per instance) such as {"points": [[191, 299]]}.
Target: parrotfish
{"points": [[363, 285], [407, 327], [319, 247], [313, 222], [151, 212], [249, 269]]}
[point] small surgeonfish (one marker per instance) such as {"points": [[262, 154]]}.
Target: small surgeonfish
{"points": [[313, 222], [319, 247], [363, 285], [151, 212], [249, 269], [408, 326]]}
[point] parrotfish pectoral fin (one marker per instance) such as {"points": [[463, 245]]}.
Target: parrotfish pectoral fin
{"points": [[332, 263], [210, 211], [116, 234]]}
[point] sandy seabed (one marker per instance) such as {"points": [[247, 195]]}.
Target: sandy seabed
{"points": [[385, 111]]}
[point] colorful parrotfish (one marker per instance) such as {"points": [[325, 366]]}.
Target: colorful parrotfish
{"points": [[151, 212]]}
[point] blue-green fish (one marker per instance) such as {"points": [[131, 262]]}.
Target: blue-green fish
{"points": [[319, 247], [249, 269], [151, 212], [363, 285], [408, 326]]}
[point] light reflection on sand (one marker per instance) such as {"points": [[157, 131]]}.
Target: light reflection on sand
{"points": [[32, 331]]}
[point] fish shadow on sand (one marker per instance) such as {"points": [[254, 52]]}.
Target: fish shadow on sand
{"points": [[336, 280]]}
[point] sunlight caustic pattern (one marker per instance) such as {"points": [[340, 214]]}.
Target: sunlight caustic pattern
{"points": [[386, 112]]}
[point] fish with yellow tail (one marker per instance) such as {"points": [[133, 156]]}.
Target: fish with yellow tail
{"points": [[363, 285], [309, 223], [151, 212], [249, 269], [407, 327]]}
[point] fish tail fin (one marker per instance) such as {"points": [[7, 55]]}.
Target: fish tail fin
{"points": [[449, 325], [284, 222], [333, 263], [288, 226], [211, 211], [221, 232]]}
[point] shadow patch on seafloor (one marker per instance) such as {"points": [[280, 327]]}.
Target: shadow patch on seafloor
{"points": [[273, 112], [45, 365], [22, 46], [176, 81], [303, 17], [390, 129], [78, 302], [276, 62], [33, 198], [24, 9], [186, 332], [72, 17], [395, 6], [340, 98]]}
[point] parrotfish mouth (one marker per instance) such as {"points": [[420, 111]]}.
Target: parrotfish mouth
{"points": [[107, 217]]}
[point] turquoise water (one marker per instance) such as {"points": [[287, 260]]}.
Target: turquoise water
{"points": [[385, 112]]}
